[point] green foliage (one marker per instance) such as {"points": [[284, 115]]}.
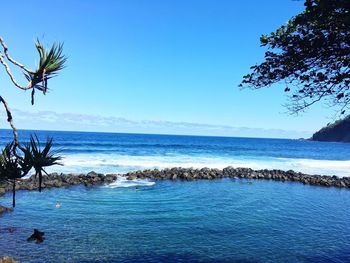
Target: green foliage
{"points": [[311, 55], [10, 165], [335, 132], [50, 63], [13, 167], [17, 160], [41, 158]]}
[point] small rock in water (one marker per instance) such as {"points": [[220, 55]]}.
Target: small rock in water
{"points": [[37, 235], [8, 259], [4, 209]]}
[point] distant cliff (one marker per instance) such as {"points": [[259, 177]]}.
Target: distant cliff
{"points": [[338, 131]]}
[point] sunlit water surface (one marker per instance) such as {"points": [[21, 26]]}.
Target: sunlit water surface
{"points": [[200, 221]]}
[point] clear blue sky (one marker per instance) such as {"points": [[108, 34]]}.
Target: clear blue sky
{"points": [[153, 66]]}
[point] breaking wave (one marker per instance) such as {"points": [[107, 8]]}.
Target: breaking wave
{"points": [[123, 182], [109, 163]]}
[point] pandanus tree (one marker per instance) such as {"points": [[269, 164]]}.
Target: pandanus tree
{"points": [[51, 62], [40, 158], [13, 167], [17, 160]]}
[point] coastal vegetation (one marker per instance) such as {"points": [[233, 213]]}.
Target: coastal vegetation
{"points": [[13, 168], [17, 159], [335, 132], [242, 216], [310, 55], [41, 158]]}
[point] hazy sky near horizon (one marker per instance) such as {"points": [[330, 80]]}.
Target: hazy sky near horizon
{"points": [[168, 62]]}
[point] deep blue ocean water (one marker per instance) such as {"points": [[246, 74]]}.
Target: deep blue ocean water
{"points": [[113, 152], [201, 221]]}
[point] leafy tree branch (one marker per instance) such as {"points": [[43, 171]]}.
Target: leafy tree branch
{"points": [[310, 55]]}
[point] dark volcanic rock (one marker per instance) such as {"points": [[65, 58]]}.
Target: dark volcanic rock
{"points": [[55, 180], [178, 173], [188, 174], [37, 236]]}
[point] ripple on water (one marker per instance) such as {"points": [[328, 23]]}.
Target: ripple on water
{"points": [[222, 220]]}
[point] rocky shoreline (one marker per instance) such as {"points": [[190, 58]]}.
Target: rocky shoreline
{"points": [[189, 174], [55, 180], [178, 173]]}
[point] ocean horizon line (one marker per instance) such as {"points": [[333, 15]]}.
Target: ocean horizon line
{"points": [[155, 134]]}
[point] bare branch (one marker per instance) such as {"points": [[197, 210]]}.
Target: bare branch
{"points": [[8, 70], [10, 120], [2, 42]]}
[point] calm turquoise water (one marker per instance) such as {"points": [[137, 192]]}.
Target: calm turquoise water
{"points": [[201, 221]]}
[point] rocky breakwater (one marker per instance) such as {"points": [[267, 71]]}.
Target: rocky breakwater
{"points": [[60, 180], [178, 173], [190, 174]]}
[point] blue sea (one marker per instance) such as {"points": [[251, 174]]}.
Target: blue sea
{"points": [[222, 220]]}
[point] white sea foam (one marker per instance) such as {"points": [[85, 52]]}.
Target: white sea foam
{"points": [[122, 163], [122, 181]]}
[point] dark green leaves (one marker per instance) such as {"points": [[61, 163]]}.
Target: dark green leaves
{"points": [[42, 157], [10, 165], [50, 63], [17, 162], [311, 52]]}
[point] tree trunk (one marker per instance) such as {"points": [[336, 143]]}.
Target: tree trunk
{"points": [[14, 193], [40, 180]]}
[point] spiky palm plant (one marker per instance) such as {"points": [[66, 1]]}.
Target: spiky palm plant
{"points": [[51, 62], [42, 157], [13, 167]]}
